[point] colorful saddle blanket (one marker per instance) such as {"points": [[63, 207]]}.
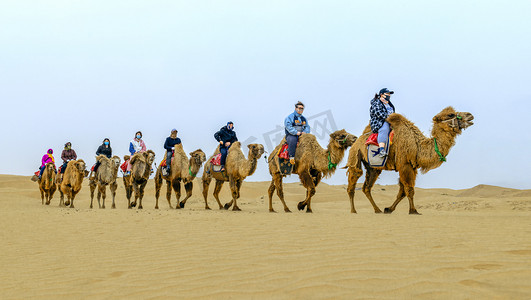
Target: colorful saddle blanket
{"points": [[216, 160], [283, 153], [373, 138], [124, 166]]}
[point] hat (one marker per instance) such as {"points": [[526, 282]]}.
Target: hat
{"points": [[386, 90], [174, 130]]}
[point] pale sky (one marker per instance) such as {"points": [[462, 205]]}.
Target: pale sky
{"points": [[81, 71]]}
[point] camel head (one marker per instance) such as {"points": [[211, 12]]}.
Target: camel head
{"points": [[116, 161], [342, 139], [198, 156], [50, 167], [80, 166], [451, 120], [256, 150], [150, 157]]}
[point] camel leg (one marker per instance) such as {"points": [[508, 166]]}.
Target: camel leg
{"points": [[277, 178], [141, 194], [308, 183], [74, 193], [168, 193], [353, 176], [401, 194], [176, 184], [42, 196], [92, 188], [113, 188], [270, 193], [128, 194], [103, 191], [62, 199], [188, 188], [206, 183], [136, 187], [158, 185], [51, 194], [232, 185], [236, 194], [407, 187], [217, 189], [370, 178]]}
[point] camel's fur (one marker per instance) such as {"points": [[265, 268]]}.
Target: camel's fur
{"points": [[409, 152], [182, 169], [140, 170], [71, 182], [237, 169], [105, 176], [311, 164], [47, 183]]}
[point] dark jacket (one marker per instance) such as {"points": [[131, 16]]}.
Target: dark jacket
{"points": [[107, 151], [169, 143], [378, 113], [225, 135], [68, 155]]}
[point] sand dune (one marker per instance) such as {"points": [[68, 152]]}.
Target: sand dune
{"points": [[473, 243]]}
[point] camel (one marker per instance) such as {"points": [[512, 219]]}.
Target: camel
{"points": [[71, 181], [409, 151], [103, 177], [47, 183], [312, 163], [237, 169], [182, 169], [140, 170]]}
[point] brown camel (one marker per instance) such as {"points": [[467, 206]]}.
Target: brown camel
{"points": [[182, 169], [71, 182], [103, 177], [140, 170], [410, 150], [312, 162], [47, 183], [237, 169]]}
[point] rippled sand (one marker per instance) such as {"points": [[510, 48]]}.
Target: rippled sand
{"points": [[472, 243]]}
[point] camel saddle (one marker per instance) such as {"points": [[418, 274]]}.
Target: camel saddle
{"points": [[283, 153], [124, 166], [373, 138], [216, 160], [372, 155], [163, 162]]}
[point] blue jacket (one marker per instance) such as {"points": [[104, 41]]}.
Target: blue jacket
{"points": [[295, 122], [378, 113], [225, 135], [169, 143]]}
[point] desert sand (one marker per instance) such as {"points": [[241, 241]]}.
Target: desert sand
{"points": [[473, 243]]}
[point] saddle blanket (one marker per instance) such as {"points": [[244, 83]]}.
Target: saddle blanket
{"points": [[216, 160], [372, 155]]}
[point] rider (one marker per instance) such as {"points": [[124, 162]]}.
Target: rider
{"points": [[226, 136], [169, 145], [47, 158], [136, 145], [67, 155], [296, 125], [105, 149], [381, 108]]}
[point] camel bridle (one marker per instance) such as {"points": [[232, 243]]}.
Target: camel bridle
{"points": [[455, 122]]}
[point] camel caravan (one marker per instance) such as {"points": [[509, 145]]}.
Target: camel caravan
{"points": [[390, 142]]}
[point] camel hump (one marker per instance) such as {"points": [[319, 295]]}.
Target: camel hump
{"points": [[397, 120], [236, 144], [307, 137]]}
